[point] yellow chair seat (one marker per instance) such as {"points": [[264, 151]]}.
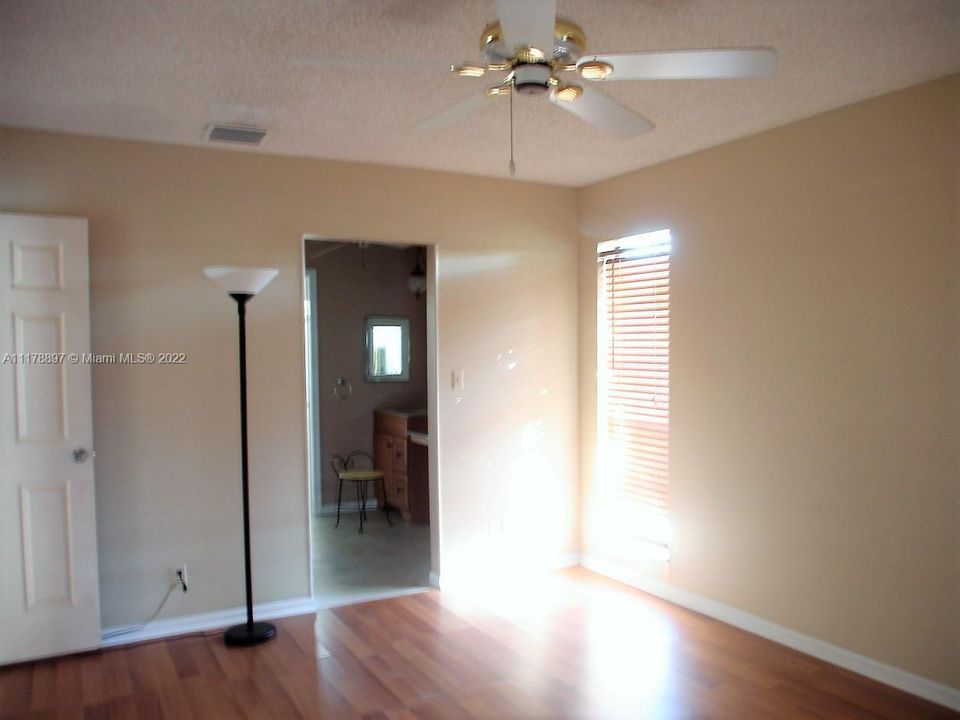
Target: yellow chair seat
{"points": [[361, 475]]}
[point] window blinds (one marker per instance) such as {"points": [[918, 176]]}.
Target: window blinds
{"points": [[634, 367]]}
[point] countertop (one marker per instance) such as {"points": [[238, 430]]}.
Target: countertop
{"points": [[418, 438]]}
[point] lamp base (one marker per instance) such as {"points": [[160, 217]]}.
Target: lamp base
{"points": [[243, 635]]}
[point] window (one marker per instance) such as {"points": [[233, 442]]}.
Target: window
{"points": [[633, 373], [388, 349]]}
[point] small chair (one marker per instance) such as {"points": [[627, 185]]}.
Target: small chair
{"points": [[345, 469]]}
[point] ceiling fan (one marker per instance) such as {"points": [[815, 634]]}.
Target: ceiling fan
{"points": [[538, 51]]}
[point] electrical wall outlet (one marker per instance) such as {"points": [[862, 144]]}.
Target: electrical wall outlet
{"points": [[181, 576]]}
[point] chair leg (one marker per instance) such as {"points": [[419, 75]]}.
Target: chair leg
{"points": [[386, 508], [339, 496], [360, 503], [363, 510]]}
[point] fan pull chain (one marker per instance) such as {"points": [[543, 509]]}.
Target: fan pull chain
{"points": [[512, 166]]}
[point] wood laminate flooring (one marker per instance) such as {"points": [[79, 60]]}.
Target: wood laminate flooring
{"points": [[574, 645]]}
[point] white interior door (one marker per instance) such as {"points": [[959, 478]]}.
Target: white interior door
{"points": [[49, 601]]}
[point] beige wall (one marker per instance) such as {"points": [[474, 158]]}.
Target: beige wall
{"points": [[815, 399], [167, 438], [814, 348], [348, 292]]}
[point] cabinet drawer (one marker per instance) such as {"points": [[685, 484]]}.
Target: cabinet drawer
{"points": [[389, 424], [399, 449], [383, 452]]}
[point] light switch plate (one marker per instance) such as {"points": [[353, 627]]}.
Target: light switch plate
{"points": [[456, 380]]}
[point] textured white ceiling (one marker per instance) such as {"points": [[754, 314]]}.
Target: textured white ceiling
{"points": [[310, 71]]}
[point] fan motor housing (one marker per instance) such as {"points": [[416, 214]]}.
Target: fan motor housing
{"points": [[531, 78], [569, 44]]}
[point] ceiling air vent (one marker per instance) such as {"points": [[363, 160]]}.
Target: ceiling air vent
{"points": [[243, 134]]}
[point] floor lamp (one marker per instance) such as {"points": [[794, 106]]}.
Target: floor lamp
{"points": [[242, 283]]}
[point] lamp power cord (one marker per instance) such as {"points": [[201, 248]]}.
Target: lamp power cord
{"points": [[136, 628]]}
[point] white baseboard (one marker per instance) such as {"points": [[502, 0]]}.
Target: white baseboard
{"points": [[367, 596], [565, 561], [200, 622], [860, 664], [545, 565], [346, 507]]}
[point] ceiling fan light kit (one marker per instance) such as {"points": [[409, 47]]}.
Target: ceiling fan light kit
{"points": [[595, 70], [468, 70], [535, 48], [566, 93]]}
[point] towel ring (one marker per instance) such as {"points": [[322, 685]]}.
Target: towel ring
{"points": [[342, 390]]}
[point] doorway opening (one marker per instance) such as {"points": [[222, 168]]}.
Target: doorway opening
{"points": [[370, 372]]}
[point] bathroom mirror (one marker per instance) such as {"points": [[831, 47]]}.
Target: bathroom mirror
{"points": [[388, 349]]}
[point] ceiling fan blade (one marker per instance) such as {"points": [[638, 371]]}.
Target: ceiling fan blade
{"points": [[528, 22], [602, 111], [454, 113], [691, 64]]}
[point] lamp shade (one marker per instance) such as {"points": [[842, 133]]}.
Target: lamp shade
{"points": [[241, 280]]}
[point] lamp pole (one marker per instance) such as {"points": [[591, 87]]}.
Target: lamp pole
{"points": [[242, 284], [249, 630]]}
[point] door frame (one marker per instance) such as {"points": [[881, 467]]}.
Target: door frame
{"points": [[312, 376], [433, 404]]}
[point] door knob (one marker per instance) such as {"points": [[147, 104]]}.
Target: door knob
{"points": [[81, 455]]}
